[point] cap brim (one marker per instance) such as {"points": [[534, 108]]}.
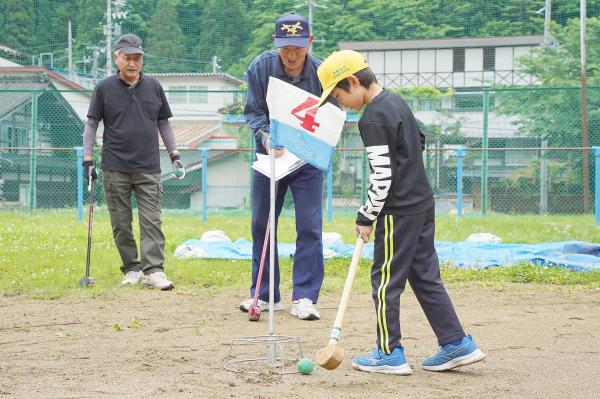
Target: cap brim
{"points": [[131, 50], [291, 41], [325, 96]]}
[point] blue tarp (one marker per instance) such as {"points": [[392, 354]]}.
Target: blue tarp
{"points": [[574, 255]]}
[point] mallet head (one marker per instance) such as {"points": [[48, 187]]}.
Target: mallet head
{"points": [[254, 313], [330, 356], [86, 281]]}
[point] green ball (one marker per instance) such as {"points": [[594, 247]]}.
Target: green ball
{"points": [[305, 366]]}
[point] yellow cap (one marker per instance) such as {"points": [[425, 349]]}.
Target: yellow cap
{"points": [[338, 66]]}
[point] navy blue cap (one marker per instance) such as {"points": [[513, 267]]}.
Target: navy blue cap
{"points": [[292, 30]]}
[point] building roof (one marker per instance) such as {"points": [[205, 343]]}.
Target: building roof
{"points": [[492, 41], [11, 100], [39, 78], [224, 76], [34, 70], [189, 135], [7, 50], [6, 63]]}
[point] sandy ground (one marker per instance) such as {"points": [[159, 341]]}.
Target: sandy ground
{"points": [[541, 342]]}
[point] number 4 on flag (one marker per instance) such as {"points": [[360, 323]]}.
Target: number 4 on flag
{"points": [[308, 121]]}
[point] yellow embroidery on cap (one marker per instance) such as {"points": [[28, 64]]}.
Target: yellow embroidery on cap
{"points": [[292, 29]]}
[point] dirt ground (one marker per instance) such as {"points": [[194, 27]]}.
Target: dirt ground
{"points": [[541, 342]]}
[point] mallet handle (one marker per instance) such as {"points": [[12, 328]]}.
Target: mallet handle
{"points": [[337, 325]]}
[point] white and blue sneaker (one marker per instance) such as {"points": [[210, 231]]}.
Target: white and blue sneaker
{"points": [[378, 362], [454, 355]]}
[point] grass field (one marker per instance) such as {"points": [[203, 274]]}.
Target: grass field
{"points": [[42, 255], [61, 341]]}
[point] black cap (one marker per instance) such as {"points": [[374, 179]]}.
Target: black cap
{"points": [[129, 44]]}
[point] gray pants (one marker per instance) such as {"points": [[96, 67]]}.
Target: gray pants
{"points": [[147, 187]]}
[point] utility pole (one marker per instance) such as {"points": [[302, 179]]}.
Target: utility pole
{"points": [[544, 144], [584, 125], [215, 64], [547, 19], [108, 32], [70, 43], [311, 5], [95, 54]]}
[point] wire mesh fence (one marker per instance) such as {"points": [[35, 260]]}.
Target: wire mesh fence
{"points": [[478, 161], [217, 35], [501, 80]]}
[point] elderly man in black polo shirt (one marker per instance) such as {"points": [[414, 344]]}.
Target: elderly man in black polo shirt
{"points": [[134, 109]]}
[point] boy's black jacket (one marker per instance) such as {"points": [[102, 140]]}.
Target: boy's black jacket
{"points": [[394, 144]]}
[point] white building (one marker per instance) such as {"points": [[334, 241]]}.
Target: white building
{"points": [[195, 100], [199, 95], [445, 63]]}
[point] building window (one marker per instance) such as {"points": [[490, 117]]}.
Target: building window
{"points": [[458, 61], [14, 137], [198, 94], [519, 157], [178, 95], [489, 59], [188, 95]]}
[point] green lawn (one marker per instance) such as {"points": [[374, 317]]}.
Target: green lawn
{"points": [[42, 255]]}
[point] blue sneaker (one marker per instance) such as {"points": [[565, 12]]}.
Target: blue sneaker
{"points": [[451, 356], [378, 362]]}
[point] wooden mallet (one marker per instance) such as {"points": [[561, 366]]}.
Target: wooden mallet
{"points": [[332, 355]]}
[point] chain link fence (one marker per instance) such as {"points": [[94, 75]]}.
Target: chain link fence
{"points": [[494, 85], [493, 151]]}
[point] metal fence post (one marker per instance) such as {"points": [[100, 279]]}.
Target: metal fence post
{"points": [[484, 153], [204, 156], [460, 153], [597, 184], [365, 178], [33, 160], [79, 152], [330, 192]]}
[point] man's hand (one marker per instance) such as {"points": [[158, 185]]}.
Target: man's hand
{"points": [[89, 171], [278, 151], [364, 232], [178, 166]]}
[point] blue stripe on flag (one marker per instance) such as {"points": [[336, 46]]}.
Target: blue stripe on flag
{"points": [[302, 144]]}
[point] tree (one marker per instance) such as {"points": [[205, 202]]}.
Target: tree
{"points": [[189, 13], [225, 31], [16, 24], [165, 47], [553, 111]]}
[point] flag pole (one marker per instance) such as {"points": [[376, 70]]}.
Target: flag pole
{"points": [[271, 348]]}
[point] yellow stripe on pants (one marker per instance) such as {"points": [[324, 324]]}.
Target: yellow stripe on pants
{"points": [[385, 279]]}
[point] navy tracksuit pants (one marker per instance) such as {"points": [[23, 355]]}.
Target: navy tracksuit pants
{"points": [[404, 250], [306, 186]]}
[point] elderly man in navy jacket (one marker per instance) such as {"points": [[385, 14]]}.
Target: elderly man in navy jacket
{"points": [[292, 63]]}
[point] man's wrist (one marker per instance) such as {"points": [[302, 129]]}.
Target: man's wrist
{"points": [[263, 135]]}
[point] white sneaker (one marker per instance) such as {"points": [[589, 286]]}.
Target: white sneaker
{"points": [[245, 306], [157, 280], [132, 278], [304, 309]]}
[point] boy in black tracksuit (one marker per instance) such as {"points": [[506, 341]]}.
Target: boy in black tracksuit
{"points": [[401, 201]]}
